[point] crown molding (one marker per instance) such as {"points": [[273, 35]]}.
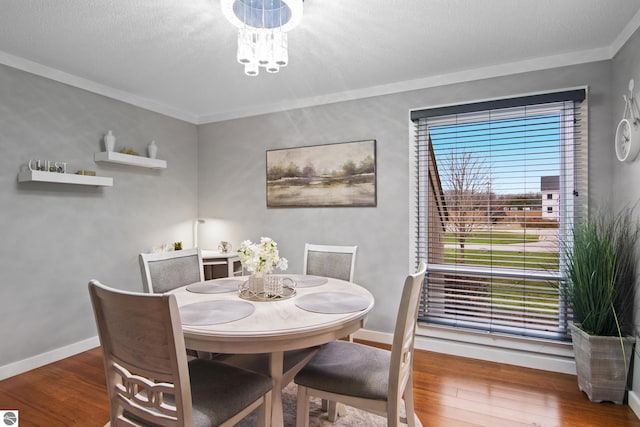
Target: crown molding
{"points": [[91, 86], [624, 35], [481, 73], [499, 70]]}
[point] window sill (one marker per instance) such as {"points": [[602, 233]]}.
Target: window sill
{"points": [[527, 352]]}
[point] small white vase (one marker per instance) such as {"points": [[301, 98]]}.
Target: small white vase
{"points": [[152, 150], [109, 141], [256, 283]]}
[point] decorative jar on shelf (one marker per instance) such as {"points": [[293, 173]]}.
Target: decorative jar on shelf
{"points": [[109, 141], [152, 150], [224, 247]]}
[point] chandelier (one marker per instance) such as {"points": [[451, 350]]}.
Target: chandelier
{"points": [[262, 31]]}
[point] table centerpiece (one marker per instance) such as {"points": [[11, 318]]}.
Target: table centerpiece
{"points": [[260, 259]]}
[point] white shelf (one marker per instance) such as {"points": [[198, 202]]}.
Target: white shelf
{"points": [[64, 178], [128, 159]]}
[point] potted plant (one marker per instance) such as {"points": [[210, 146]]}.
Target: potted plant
{"points": [[601, 279]]}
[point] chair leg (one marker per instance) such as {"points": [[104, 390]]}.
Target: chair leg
{"points": [[203, 355], [302, 412], [408, 403], [335, 410], [394, 418], [264, 411], [341, 408], [332, 411]]}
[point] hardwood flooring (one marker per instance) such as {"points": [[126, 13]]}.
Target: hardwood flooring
{"points": [[449, 391]]}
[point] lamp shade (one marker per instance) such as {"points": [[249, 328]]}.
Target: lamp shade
{"points": [[262, 31], [283, 14]]}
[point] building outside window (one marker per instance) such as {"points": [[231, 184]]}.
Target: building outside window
{"points": [[551, 186]]}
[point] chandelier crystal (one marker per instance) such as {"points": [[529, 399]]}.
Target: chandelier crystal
{"points": [[262, 31]]}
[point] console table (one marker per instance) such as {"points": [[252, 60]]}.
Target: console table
{"points": [[217, 264]]}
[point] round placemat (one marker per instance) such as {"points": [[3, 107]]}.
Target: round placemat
{"points": [[306, 281], [332, 302], [215, 312], [216, 286]]}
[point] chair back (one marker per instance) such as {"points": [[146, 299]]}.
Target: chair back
{"points": [[401, 362], [165, 271], [144, 356], [337, 262]]}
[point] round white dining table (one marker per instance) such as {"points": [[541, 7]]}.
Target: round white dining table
{"points": [[274, 326]]}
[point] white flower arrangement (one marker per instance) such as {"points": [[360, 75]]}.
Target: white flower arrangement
{"points": [[261, 258]]}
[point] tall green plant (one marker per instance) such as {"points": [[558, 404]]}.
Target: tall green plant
{"points": [[623, 231], [601, 270]]}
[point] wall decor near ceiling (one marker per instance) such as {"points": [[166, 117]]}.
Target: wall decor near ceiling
{"points": [[330, 175]]}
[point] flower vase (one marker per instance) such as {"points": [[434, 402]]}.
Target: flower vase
{"points": [[255, 283]]}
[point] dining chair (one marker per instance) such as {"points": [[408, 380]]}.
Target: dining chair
{"points": [[366, 377], [150, 381], [330, 261], [165, 271], [337, 262]]}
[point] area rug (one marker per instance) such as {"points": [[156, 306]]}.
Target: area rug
{"points": [[318, 418]]}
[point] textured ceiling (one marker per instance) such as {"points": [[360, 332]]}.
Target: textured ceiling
{"points": [[178, 57]]}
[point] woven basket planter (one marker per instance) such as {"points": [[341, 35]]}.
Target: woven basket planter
{"points": [[601, 367]]}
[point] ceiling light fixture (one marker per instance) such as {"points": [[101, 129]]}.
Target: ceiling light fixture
{"points": [[262, 31]]}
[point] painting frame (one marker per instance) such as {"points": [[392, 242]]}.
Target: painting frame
{"points": [[341, 174]]}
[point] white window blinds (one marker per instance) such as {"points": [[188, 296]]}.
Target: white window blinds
{"points": [[499, 185]]}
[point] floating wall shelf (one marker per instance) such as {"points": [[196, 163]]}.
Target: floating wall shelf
{"points": [[64, 178], [128, 159]]}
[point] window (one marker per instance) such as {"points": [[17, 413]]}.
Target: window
{"points": [[492, 243]]}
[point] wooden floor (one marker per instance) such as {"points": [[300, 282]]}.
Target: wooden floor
{"points": [[450, 391]]}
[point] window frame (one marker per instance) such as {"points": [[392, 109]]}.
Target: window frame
{"points": [[571, 212]]}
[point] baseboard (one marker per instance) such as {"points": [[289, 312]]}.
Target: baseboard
{"points": [[25, 365], [634, 394], [518, 357], [634, 402], [422, 343]]}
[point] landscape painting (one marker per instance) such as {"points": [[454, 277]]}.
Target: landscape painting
{"points": [[331, 175]]}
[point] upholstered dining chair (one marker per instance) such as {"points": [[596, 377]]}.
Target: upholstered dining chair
{"points": [[165, 271], [366, 377], [330, 261], [150, 382], [337, 262]]}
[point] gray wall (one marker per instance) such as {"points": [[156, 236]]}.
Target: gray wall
{"points": [[56, 237], [232, 172], [626, 176]]}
